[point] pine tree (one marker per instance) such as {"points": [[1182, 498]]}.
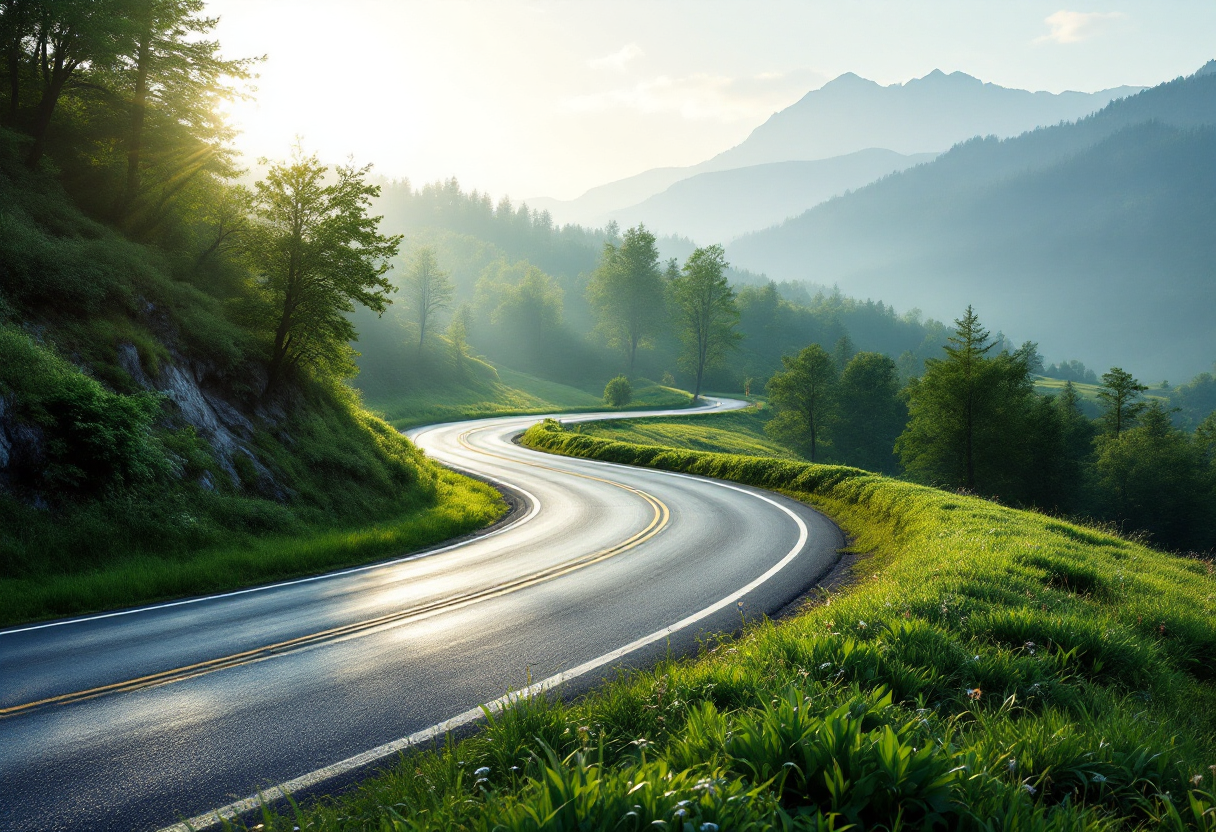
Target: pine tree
{"points": [[1120, 395]]}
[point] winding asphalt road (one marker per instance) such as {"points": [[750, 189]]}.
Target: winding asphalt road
{"points": [[142, 718]]}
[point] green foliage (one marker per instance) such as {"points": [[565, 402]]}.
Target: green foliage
{"points": [[1152, 478], [88, 440], [994, 670], [803, 397], [627, 293], [1120, 398], [618, 392], [968, 414], [706, 313], [315, 252], [428, 290], [870, 414], [183, 545]]}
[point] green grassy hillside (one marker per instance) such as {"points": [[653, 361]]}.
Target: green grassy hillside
{"points": [[139, 459], [735, 432], [988, 669]]}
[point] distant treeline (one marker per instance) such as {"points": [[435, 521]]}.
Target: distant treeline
{"points": [[973, 422], [524, 283]]}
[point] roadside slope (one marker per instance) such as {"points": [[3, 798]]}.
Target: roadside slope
{"points": [[989, 668]]}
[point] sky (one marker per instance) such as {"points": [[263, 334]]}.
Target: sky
{"points": [[552, 97]]}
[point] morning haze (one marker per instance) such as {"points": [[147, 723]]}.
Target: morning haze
{"points": [[555, 416]]}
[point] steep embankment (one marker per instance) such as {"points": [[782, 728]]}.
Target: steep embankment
{"points": [[139, 456], [988, 668]]}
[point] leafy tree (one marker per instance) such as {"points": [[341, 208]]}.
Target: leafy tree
{"points": [[706, 314], [525, 314], [618, 392], [947, 405], [1120, 397], [315, 252], [70, 37], [428, 289], [16, 27], [174, 78], [1150, 478], [226, 216], [968, 414], [627, 291], [1205, 441], [802, 396], [1077, 438], [870, 413]]}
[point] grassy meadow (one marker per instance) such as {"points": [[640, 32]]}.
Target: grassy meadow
{"points": [[500, 391], [988, 668], [733, 432]]}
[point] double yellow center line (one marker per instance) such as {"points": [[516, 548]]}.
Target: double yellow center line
{"points": [[657, 523]]}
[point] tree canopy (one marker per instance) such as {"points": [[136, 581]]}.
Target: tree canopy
{"points": [[627, 293], [802, 394], [706, 313], [314, 252], [428, 290]]}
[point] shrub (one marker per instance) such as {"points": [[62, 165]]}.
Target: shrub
{"points": [[619, 392], [93, 440]]}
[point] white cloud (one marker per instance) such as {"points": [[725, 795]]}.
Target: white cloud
{"points": [[703, 95], [617, 60], [1071, 27]]}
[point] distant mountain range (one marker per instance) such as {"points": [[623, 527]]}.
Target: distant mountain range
{"points": [[846, 116], [721, 205], [1095, 238]]}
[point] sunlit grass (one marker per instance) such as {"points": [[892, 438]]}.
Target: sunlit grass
{"points": [[733, 432], [989, 669], [513, 393], [461, 505]]}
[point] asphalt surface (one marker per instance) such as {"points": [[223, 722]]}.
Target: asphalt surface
{"points": [[140, 719]]}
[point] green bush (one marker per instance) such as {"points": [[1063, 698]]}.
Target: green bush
{"points": [[618, 392], [92, 440]]}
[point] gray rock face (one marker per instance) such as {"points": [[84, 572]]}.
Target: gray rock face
{"points": [[6, 444], [217, 421]]}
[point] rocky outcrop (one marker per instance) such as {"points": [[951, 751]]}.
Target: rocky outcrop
{"points": [[22, 446], [220, 424]]}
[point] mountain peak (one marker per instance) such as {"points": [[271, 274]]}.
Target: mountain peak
{"points": [[937, 77], [1207, 69], [849, 80]]}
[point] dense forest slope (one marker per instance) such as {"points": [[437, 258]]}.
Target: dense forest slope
{"points": [[137, 439], [1093, 238]]}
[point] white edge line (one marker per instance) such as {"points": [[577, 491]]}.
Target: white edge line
{"points": [[426, 553], [413, 437], [217, 816]]}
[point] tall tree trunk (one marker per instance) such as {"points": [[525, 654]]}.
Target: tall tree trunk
{"points": [[14, 82], [135, 138], [46, 109]]}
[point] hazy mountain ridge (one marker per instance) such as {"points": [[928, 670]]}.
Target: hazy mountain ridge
{"points": [[924, 115], [851, 114], [721, 205], [1093, 238]]}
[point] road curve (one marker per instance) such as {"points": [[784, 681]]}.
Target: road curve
{"points": [[142, 718]]}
